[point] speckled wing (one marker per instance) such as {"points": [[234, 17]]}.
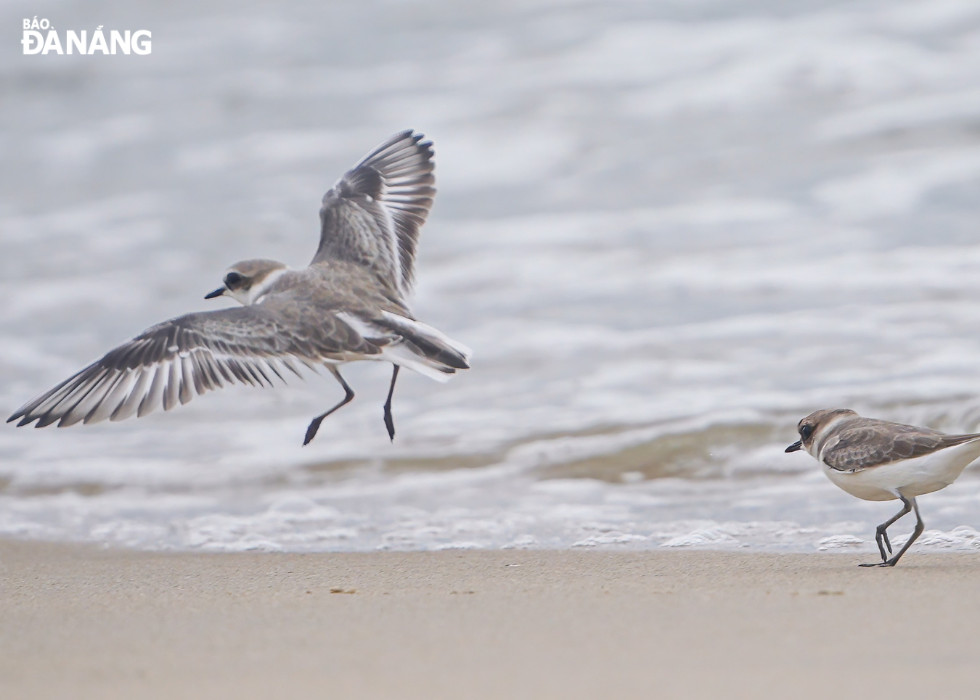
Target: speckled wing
{"points": [[373, 214], [873, 443], [175, 360]]}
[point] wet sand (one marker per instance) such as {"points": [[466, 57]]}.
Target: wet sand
{"points": [[87, 623]]}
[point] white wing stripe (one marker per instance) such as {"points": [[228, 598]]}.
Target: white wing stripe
{"points": [[129, 405], [83, 405], [187, 389], [173, 385], [117, 394], [105, 398], [109, 397], [151, 401]]}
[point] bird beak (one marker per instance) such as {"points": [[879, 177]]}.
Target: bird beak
{"points": [[216, 293], [798, 445]]}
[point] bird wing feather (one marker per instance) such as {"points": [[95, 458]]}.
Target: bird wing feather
{"points": [[373, 214]]}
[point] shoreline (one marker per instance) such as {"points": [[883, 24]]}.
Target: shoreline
{"points": [[83, 622]]}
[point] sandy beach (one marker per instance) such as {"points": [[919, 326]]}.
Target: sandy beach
{"points": [[87, 623]]}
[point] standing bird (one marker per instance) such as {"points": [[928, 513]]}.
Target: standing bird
{"points": [[880, 461], [348, 304]]}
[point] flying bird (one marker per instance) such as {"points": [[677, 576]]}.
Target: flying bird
{"points": [[348, 304]]}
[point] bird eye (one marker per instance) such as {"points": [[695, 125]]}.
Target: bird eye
{"points": [[232, 278], [806, 431]]}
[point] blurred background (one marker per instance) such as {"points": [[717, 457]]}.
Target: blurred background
{"points": [[668, 230]]}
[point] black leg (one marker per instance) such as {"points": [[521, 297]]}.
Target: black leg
{"points": [[348, 397], [389, 421], [919, 527], [881, 534], [907, 505]]}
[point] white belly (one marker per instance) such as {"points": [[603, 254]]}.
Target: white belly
{"points": [[910, 477]]}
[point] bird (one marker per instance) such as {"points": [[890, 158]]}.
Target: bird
{"points": [[348, 304], [878, 460]]}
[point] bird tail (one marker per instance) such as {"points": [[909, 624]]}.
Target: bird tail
{"points": [[423, 348]]}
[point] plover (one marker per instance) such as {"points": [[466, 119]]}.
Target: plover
{"points": [[880, 461], [348, 304]]}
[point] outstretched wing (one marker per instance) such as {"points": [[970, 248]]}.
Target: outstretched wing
{"points": [[175, 360], [373, 214], [874, 443]]}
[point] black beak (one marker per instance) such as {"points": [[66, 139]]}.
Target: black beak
{"points": [[798, 445], [216, 293]]}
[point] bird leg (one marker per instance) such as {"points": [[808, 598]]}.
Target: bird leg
{"points": [[348, 397], [881, 534], [389, 421], [919, 527]]}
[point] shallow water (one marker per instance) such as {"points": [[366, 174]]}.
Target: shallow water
{"points": [[668, 230]]}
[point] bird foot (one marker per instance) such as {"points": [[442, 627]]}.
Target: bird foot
{"points": [[390, 425], [311, 431]]}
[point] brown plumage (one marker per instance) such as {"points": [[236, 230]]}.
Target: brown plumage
{"points": [[865, 443], [879, 460]]}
